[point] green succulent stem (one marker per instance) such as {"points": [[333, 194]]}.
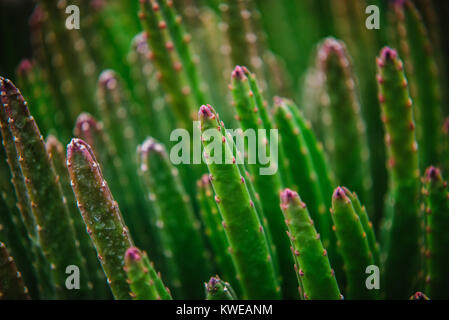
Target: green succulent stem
{"points": [[145, 282], [101, 214], [11, 281], [437, 239], [401, 254], [55, 229], [316, 278], [353, 245], [248, 243], [180, 225]]}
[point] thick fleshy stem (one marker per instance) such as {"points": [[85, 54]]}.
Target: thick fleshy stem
{"points": [[181, 41], [353, 245], [401, 253], [101, 215], [11, 281], [178, 220], [437, 237], [56, 233], [96, 276], [13, 231], [213, 228], [266, 177], [267, 122], [316, 278], [150, 118], [366, 224], [163, 54], [302, 168], [145, 282], [415, 48], [217, 289], [248, 242], [120, 127], [349, 21], [346, 139]]}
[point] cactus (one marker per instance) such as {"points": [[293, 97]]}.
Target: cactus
{"points": [[177, 217], [437, 221], [144, 281], [213, 229], [302, 169], [58, 158], [402, 212], [217, 289], [140, 69], [350, 162], [101, 215], [172, 79], [415, 48], [11, 284], [315, 275], [268, 185], [246, 235], [55, 229], [366, 224], [353, 245]]}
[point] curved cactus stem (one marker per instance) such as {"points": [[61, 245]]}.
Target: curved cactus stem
{"points": [[213, 228], [346, 139], [11, 281], [415, 48], [353, 245], [101, 215], [179, 222], [402, 209], [248, 242], [366, 224], [317, 279], [268, 185], [55, 229], [217, 289], [144, 281], [437, 238], [96, 276]]}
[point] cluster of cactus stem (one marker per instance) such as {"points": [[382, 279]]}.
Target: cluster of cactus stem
{"points": [[358, 182]]}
